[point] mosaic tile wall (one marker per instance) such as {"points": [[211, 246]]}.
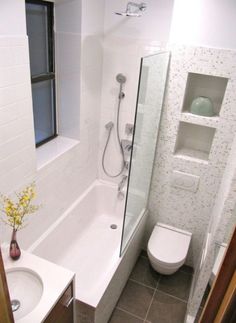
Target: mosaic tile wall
{"points": [[220, 229], [174, 206]]}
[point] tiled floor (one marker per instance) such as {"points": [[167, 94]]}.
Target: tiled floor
{"points": [[153, 298]]}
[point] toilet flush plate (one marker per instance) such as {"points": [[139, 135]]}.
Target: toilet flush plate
{"points": [[185, 181]]}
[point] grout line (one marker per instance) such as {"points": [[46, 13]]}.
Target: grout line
{"points": [[152, 299], [149, 305], [155, 289], [158, 281], [142, 284], [179, 299], [131, 314]]}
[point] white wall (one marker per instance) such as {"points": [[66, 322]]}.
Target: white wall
{"points": [[68, 68], [208, 23], [178, 207], [221, 226], [154, 25], [16, 125], [126, 40], [61, 181], [12, 17]]}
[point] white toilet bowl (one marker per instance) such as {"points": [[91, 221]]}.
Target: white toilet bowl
{"points": [[168, 248]]}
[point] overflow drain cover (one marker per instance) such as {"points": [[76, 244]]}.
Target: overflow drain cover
{"points": [[113, 226]]}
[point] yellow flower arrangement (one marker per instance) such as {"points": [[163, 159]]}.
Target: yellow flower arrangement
{"points": [[14, 212]]}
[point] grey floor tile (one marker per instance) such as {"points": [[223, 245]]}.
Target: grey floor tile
{"points": [[144, 273], [119, 316], [144, 253], [187, 269], [166, 309], [136, 299], [177, 284]]}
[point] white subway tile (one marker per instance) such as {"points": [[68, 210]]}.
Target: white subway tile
{"points": [[12, 56], [8, 147], [14, 75], [7, 41], [15, 111], [13, 161], [11, 180], [14, 93], [15, 128]]}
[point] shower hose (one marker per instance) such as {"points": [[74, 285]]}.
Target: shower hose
{"points": [[121, 96]]}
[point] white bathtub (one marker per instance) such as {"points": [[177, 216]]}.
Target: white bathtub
{"points": [[83, 241]]}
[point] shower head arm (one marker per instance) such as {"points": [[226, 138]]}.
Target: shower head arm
{"points": [[141, 6]]}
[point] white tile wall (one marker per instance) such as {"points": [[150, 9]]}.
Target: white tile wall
{"points": [[16, 125], [212, 29], [221, 226], [154, 25], [93, 63], [60, 182], [126, 40], [68, 57], [12, 18]]}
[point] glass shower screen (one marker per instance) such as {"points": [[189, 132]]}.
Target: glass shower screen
{"points": [[153, 73]]}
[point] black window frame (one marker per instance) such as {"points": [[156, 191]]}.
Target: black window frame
{"points": [[50, 76]]}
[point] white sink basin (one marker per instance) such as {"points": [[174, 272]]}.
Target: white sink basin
{"points": [[26, 287]]}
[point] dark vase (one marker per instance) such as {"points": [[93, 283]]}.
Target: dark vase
{"points": [[14, 247]]}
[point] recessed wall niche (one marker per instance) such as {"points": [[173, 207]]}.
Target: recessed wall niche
{"points": [[209, 86], [194, 141]]}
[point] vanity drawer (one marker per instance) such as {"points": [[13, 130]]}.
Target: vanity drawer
{"points": [[63, 310]]}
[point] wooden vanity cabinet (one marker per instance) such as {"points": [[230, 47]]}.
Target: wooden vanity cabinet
{"points": [[63, 311]]}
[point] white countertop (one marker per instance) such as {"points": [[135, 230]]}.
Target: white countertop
{"points": [[55, 281]]}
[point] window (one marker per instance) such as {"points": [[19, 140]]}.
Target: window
{"points": [[39, 20]]}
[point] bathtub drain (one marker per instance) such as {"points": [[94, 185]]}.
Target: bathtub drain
{"points": [[113, 226]]}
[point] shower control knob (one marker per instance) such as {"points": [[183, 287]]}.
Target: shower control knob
{"points": [[129, 129], [127, 165], [127, 147]]}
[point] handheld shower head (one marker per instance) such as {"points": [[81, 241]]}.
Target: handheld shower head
{"points": [[109, 125], [120, 78]]}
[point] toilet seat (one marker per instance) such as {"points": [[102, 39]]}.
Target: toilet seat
{"points": [[168, 248]]}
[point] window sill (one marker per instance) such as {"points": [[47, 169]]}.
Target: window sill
{"points": [[53, 149]]}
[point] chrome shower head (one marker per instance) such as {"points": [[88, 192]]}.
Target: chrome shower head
{"points": [[140, 7], [120, 78]]}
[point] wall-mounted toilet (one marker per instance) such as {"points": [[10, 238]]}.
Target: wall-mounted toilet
{"points": [[168, 248]]}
